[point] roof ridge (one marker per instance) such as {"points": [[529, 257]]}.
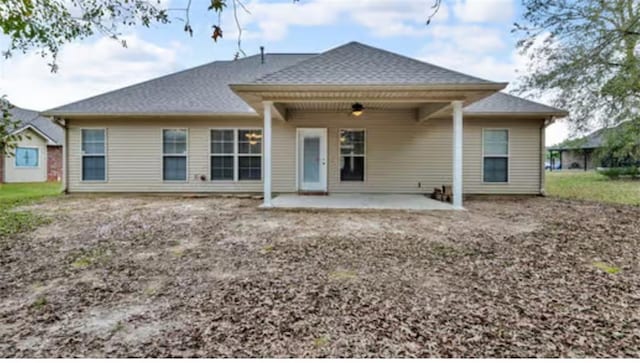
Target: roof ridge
{"points": [[314, 55], [288, 53], [262, 78]]}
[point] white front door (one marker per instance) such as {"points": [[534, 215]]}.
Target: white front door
{"points": [[312, 160]]}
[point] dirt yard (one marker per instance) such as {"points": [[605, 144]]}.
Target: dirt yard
{"points": [[117, 276]]}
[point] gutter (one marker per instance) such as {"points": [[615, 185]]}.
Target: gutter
{"points": [[367, 87], [53, 113]]}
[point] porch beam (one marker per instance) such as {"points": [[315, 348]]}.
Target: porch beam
{"points": [[363, 100], [427, 111], [266, 140], [280, 111], [457, 153]]}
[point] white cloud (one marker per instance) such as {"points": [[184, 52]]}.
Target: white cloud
{"points": [[86, 69], [485, 11], [383, 18], [472, 49]]}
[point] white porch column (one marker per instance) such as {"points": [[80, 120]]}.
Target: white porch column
{"points": [[266, 140], [457, 154]]}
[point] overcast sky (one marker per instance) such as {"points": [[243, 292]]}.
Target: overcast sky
{"points": [[471, 36]]}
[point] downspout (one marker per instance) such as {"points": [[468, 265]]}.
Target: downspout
{"points": [[543, 153], [65, 155]]}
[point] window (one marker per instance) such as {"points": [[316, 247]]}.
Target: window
{"points": [[222, 154], [27, 157], [495, 145], [352, 155], [93, 155], [174, 155], [236, 154], [249, 154]]}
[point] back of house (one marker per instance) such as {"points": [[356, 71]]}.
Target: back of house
{"points": [[354, 119]]}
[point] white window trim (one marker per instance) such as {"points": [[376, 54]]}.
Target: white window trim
{"points": [[15, 158], [236, 155], [508, 155], [104, 154], [163, 155], [364, 177]]}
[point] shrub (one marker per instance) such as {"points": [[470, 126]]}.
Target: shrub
{"points": [[617, 172]]}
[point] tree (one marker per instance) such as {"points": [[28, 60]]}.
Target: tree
{"points": [[44, 26], [7, 125], [583, 52]]}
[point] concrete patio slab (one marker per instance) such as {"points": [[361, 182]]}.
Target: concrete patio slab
{"points": [[360, 201]]}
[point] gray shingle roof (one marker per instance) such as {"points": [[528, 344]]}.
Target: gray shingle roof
{"points": [[205, 89], [200, 90], [42, 124], [358, 64], [501, 102]]}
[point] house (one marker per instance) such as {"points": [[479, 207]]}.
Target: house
{"points": [[38, 154], [582, 153], [354, 119]]}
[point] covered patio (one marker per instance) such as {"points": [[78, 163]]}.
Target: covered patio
{"points": [[356, 79], [426, 101], [414, 202]]}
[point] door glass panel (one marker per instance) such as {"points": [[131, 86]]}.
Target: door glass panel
{"points": [[311, 162]]}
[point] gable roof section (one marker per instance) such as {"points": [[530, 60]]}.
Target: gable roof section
{"points": [[359, 64], [206, 89], [42, 125], [502, 103], [200, 90]]}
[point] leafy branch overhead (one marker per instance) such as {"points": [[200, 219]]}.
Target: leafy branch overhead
{"points": [[584, 53], [8, 123], [44, 26]]}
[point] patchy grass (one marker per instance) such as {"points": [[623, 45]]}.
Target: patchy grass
{"points": [[592, 186], [342, 275], [13, 195], [321, 342], [39, 303], [606, 268], [91, 257]]}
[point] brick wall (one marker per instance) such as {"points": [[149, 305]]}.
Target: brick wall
{"points": [[54, 163]]}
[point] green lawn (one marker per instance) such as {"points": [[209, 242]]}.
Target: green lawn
{"points": [[592, 186], [22, 192], [13, 195]]}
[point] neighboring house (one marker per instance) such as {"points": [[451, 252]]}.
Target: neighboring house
{"points": [[38, 155], [580, 153], [354, 119]]}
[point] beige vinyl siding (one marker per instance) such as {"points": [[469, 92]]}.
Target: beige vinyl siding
{"points": [[134, 156], [400, 154], [15, 174], [524, 157]]}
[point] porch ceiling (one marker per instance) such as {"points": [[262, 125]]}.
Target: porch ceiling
{"points": [[428, 101], [346, 106]]}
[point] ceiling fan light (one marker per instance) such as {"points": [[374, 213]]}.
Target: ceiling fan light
{"points": [[357, 109]]}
